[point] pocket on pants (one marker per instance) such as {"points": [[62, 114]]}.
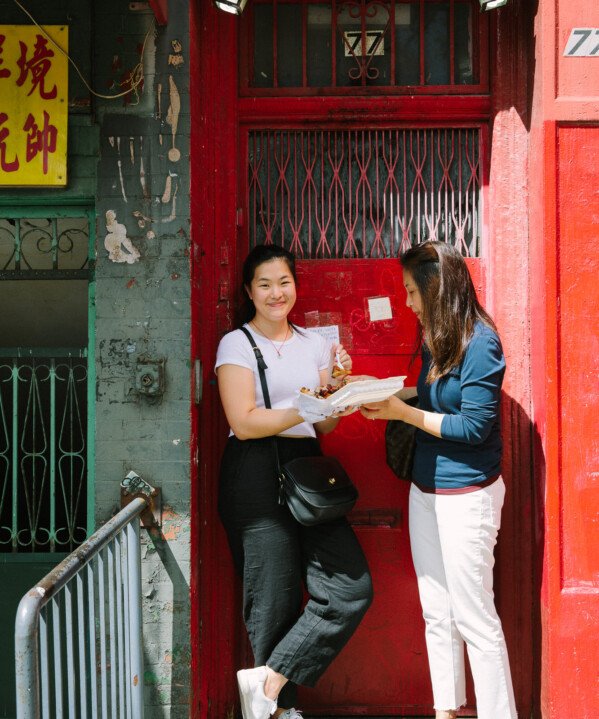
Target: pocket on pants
{"points": [[494, 497]]}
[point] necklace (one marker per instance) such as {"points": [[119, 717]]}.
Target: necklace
{"points": [[280, 347]]}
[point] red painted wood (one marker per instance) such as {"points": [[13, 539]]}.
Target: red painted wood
{"points": [[565, 384], [509, 268], [194, 590], [563, 294], [160, 8], [216, 626], [413, 109], [218, 185], [577, 598]]}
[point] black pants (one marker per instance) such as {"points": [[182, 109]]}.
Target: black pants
{"points": [[276, 556]]}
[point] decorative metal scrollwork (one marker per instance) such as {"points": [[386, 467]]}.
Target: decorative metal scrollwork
{"points": [[43, 453], [363, 44], [50, 244]]}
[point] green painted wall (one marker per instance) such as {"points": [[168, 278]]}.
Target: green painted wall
{"points": [[129, 160], [143, 311]]}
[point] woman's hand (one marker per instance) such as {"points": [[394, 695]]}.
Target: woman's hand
{"points": [[395, 408], [339, 355], [391, 408], [345, 412]]}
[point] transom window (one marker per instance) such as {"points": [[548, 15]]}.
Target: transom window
{"points": [[362, 46]]}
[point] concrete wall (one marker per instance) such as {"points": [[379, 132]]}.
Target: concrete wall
{"points": [[143, 312]]}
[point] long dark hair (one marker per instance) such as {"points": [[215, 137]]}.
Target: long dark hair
{"points": [[450, 308], [256, 257]]}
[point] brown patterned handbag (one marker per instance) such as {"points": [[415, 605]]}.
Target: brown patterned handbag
{"points": [[400, 443]]}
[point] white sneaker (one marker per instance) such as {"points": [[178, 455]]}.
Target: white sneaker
{"points": [[291, 714], [254, 703]]}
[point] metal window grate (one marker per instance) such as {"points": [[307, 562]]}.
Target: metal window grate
{"points": [[44, 248], [364, 193], [43, 450], [46, 378]]}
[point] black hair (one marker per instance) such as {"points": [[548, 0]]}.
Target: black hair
{"points": [[450, 307], [256, 257]]}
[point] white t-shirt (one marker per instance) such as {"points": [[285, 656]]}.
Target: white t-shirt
{"points": [[302, 358]]}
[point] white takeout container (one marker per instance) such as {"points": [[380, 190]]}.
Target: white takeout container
{"points": [[353, 394]]}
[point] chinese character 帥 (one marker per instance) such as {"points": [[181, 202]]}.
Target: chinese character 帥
{"points": [[4, 133], [38, 65], [4, 71], [40, 139]]}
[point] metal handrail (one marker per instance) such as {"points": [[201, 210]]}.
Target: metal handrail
{"points": [[33, 688]]}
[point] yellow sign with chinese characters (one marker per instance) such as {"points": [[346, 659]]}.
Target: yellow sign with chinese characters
{"points": [[33, 106]]}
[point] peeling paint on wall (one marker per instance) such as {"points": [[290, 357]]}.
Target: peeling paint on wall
{"points": [[172, 118], [176, 58], [119, 246]]}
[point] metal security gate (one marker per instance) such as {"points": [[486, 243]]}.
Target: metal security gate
{"points": [[364, 193], [46, 400]]}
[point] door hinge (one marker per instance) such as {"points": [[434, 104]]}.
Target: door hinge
{"points": [[198, 384]]}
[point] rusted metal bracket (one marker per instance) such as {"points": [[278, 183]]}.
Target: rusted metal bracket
{"points": [[134, 486]]}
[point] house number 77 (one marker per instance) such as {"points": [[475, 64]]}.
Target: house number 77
{"points": [[373, 43], [583, 42]]}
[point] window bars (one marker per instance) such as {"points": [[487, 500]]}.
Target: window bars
{"points": [[364, 193], [363, 45], [46, 377], [43, 449]]}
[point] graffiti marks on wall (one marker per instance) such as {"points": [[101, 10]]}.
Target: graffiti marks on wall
{"points": [[119, 246], [141, 162]]}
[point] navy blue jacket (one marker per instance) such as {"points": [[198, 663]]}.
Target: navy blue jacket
{"points": [[469, 450]]}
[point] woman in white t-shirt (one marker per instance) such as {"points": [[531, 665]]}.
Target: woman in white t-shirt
{"points": [[274, 554]]}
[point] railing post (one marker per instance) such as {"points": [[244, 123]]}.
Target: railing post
{"points": [[27, 656], [134, 571]]}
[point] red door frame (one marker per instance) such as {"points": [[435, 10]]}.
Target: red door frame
{"points": [[214, 164]]}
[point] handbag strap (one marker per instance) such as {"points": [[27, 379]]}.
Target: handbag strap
{"points": [[261, 367]]}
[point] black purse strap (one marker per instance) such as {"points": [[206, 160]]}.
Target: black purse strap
{"points": [[261, 367]]}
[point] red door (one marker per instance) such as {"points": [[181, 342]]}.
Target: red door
{"points": [[346, 197], [340, 193]]}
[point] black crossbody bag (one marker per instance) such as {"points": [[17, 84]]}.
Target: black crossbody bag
{"points": [[316, 489]]}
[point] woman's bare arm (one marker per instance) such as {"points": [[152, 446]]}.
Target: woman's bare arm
{"points": [[238, 397]]}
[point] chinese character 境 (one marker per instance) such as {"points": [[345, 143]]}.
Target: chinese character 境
{"points": [[38, 65], [4, 133], [40, 140], [4, 71]]}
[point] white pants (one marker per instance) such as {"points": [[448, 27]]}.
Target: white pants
{"points": [[452, 538]]}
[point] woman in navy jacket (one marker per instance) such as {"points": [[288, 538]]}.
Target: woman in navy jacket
{"points": [[457, 492]]}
